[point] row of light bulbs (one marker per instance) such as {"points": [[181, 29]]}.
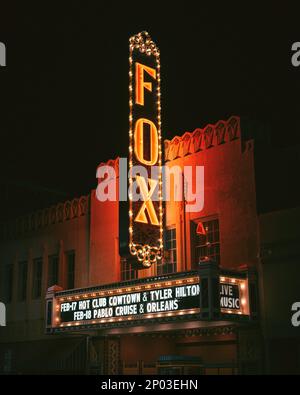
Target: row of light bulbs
{"points": [[143, 43]]}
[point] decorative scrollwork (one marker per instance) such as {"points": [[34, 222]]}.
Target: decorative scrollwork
{"points": [[83, 205], [143, 42], [53, 215], [32, 222], [67, 210], [75, 208], [60, 212], [39, 219], [46, 217], [145, 253]]}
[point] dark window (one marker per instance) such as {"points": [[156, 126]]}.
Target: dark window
{"points": [[169, 264], [49, 312], [70, 261], [127, 271], [207, 245], [37, 278], [53, 270], [22, 280], [8, 282]]}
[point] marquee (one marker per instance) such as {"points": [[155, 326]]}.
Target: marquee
{"points": [[155, 298]]}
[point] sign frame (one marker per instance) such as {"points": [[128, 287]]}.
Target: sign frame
{"points": [[145, 231], [192, 277]]}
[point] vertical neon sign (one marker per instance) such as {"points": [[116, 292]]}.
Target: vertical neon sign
{"points": [[146, 215]]}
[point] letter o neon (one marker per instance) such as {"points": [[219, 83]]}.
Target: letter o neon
{"points": [[139, 142]]}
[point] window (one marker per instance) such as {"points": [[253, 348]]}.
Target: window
{"points": [[8, 282], [127, 271], [37, 278], [169, 264], [208, 245], [70, 262], [52, 270], [22, 280]]}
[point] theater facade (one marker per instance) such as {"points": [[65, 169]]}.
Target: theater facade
{"points": [[75, 304], [108, 286]]}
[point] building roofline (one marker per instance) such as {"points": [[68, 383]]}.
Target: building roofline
{"points": [[202, 139], [43, 218]]}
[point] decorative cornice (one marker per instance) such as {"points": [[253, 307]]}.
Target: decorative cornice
{"points": [[41, 219], [201, 139]]}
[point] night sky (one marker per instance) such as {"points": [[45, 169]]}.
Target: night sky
{"points": [[64, 92]]}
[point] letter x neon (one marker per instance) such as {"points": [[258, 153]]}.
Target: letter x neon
{"points": [[148, 204]]}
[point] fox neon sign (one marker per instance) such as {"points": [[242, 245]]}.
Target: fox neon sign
{"points": [[145, 217]]}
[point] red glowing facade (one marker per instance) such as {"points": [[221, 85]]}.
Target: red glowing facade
{"points": [[185, 295]]}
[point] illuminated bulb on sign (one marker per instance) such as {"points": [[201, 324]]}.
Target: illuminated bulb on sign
{"points": [[243, 301], [142, 42], [242, 286]]}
